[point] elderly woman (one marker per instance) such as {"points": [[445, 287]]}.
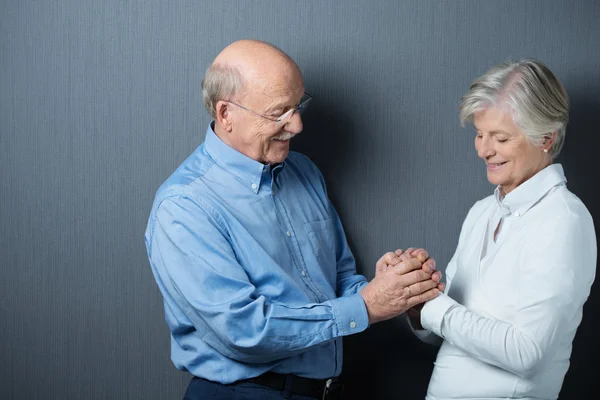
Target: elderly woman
{"points": [[526, 255]]}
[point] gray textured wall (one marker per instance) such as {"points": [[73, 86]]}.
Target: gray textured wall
{"points": [[100, 101]]}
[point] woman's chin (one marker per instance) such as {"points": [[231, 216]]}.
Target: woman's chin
{"points": [[494, 180]]}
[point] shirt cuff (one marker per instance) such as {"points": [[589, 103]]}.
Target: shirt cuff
{"points": [[350, 314], [433, 312]]}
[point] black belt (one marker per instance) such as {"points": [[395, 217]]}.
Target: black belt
{"points": [[317, 388]]}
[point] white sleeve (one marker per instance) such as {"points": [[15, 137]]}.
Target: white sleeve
{"points": [[426, 335], [557, 268]]}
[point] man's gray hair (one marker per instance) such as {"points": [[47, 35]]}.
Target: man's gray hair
{"points": [[535, 98], [220, 83]]}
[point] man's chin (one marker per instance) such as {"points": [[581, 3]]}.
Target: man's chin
{"points": [[277, 158]]}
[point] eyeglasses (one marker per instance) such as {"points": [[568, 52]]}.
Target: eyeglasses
{"points": [[286, 116]]}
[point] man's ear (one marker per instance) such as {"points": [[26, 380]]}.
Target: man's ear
{"points": [[223, 116]]}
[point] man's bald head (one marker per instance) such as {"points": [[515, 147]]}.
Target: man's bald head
{"points": [[246, 66], [255, 59]]}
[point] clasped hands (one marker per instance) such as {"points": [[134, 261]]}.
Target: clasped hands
{"points": [[403, 280]]}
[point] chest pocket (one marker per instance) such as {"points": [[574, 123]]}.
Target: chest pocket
{"points": [[322, 240]]}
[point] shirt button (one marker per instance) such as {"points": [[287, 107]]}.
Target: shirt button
{"points": [[352, 324], [288, 233], [254, 186], [303, 273], [517, 214]]}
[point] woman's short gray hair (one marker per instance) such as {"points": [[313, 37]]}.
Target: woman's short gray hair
{"points": [[537, 100], [220, 82]]}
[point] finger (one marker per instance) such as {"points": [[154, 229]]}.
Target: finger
{"points": [[431, 262], [421, 254], [388, 258], [406, 266], [422, 287], [405, 256], [412, 277], [441, 287], [437, 276], [411, 250], [391, 258], [429, 265], [383, 257], [423, 297], [399, 252]]}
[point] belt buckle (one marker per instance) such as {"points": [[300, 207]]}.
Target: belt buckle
{"points": [[332, 390]]}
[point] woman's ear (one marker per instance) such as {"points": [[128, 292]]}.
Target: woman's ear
{"points": [[548, 141]]}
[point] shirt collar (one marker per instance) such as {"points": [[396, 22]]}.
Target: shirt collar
{"points": [[245, 169], [527, 194]]}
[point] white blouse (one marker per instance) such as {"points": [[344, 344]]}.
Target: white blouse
{"points": [[512, 305]]}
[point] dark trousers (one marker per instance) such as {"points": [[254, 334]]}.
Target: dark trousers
{"points": [[201, 389]]}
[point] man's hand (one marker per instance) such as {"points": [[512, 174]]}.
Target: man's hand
{"points": [[396, 288], [423, 256], [389, 259], [414, 313]]}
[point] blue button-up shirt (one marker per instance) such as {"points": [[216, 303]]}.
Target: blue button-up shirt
{"points": [[254, 267]]}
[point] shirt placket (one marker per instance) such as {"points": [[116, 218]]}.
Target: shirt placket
{"points": [[295, 249]]}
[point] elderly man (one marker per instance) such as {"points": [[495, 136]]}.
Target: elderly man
{"points": [[259, 283]]}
